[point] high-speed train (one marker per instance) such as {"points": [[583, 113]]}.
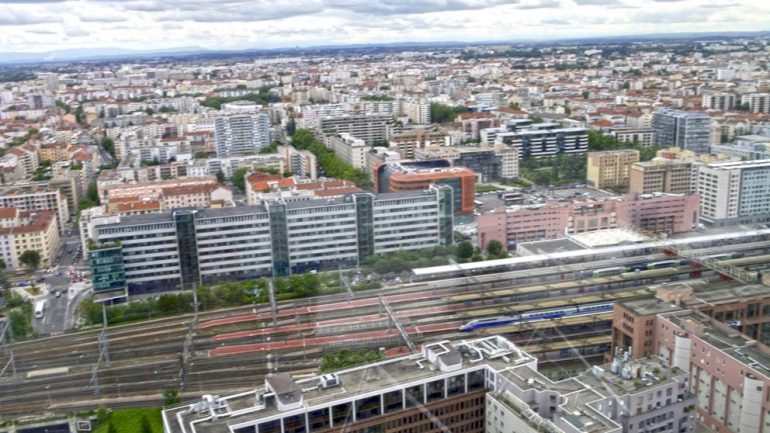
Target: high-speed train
{"points": [[534, 316]]}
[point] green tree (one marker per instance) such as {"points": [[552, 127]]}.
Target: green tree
{"points": [[220, 176], [93, 193], [111, 428], [291, 127], [494, 248], [108, 145], [31, 259], [239, 178], [171, 397], [465, 250], [441, 113], [102, 415], [201, 154]]}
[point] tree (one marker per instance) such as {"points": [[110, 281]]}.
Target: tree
{"points": [[239, 178], [102, 415], [291, 127], [93, 193], [2, 265], [144, 425], [108, 145], [465, 250], [494, 248], [585, 94], [170, 397], [31, 259], [441, 113], [201, 155], [111, 428], [220, 176]]}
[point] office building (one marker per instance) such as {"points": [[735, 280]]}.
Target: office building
{"points": [[661, 213], [718, 101], [746, 147], [34, 197], [379, 155], [405, 143], [757, 102], [476, 385], [689, 131], [542, 141], [22, 231], [173, 250], [674, 176], [372, 128], [419, 175], [735, 192], [610, 168], [241, 134], [350, 149], [490, 162]]}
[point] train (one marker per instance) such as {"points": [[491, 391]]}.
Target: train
{"points": [[535, 316], [647, 266]]}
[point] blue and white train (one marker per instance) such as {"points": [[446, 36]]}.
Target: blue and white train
{"points": [[645, 265], [535, 316]]}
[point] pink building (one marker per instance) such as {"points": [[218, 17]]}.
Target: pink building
{"points": [[662, 213]]}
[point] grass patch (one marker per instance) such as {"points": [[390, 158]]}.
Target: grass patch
{"points": [[482, 188], [130, 420], [348, 358], [33, 290]]}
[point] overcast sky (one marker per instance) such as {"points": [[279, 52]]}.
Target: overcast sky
{"points": [[40, 25]]}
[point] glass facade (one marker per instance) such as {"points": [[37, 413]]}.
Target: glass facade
{"points": [[107, 269], [188, 248], [279, 238], [445, 215], [365, 222]]}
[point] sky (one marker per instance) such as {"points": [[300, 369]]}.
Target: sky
{"points": [[43, 25]]}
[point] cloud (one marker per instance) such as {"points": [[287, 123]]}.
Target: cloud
{"points": [[538, 4]]}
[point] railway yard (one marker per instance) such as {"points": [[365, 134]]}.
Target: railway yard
{"points": [[539, 304]]}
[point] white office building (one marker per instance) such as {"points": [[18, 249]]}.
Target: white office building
{"points": [[241, 134], [735, 192], [350, 149]]}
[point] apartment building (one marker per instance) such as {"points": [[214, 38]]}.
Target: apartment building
{"points": [[662, 213], [405, 143], [33, 197], [22, 231], [610, 168], [299, 162], [718, 101], [689, 131], [241, 134], [642, 136], [372, 128], [418, 112], [745, 147], [758, 102], [546, 140], [173, 250], [350, 149], [735, 192], [476, 385], [379, 155], [261, 186], [109, 191], [671, 176], [473, 123], [419, 175]]}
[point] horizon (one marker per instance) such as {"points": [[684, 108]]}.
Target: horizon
{"points": [[42, 26]]}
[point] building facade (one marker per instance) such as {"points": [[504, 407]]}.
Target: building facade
{"points": [[663, 213], [241, 134], [735, 191], [546, 142], [661, 175], [372, 128], [22, 231], [169, 251], [36, 197], [610, 168], [689, 131], [350, 149]]}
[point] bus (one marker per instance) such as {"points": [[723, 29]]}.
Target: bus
{"points": [[40, 307]]}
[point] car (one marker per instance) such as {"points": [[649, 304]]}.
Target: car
{"points": [[57, 294]]}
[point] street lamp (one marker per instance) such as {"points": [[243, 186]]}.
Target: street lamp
{"points": [[48, 390]]}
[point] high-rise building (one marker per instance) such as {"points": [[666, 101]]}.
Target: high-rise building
{"points": [[610, 168], [419, 175], [350, 149], [718, 101], [758, 102], [172, 250], [418, 112], [475, 385], [661, 175], [241, 134], [735, 192], [689, 131], [372, 128]]}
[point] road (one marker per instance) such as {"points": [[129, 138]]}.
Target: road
{"points": [[58, 318]]}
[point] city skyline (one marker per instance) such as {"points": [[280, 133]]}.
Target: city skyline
{"points": [[144, 25]]}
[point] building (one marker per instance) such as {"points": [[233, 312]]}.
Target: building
{"points": [[490, 162], [673, 176], [473, 123], [173, 250], [109, 191], [261, 186], [745, 147], [642, 136], [241, 134], [350, 149], [299, 162], [546, 141], [419, 175], [418, 112], [476, 385], [379, 155], [610, 168], [662, 213], [22, 231], [757, 102], [372, 128], [405, 143], [718, 101], [735, 192], [689, 131], [34, 197]]}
